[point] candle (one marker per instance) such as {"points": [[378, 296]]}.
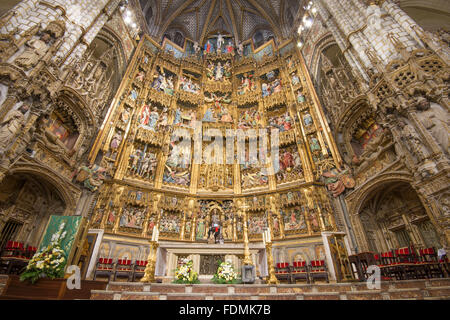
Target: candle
{"points": [[154, 233], [264, 237]]}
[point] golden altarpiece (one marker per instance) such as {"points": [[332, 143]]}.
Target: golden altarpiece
{"points": [[154, 182]]}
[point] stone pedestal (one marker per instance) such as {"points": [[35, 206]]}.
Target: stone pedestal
{"points": [[248, 274]]}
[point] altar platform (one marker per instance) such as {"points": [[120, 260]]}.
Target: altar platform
{"points": [[431, 289], [205, 257]]}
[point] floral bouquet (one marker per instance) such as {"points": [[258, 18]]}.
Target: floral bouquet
{"points": [[225, 274], [49, 261], [185, 273]]}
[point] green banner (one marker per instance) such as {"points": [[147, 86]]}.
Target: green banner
{"points": [[71, 226]]}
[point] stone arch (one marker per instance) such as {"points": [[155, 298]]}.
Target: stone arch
{"points": [[81, 114], [325, 42], [356, 199], [387, 213], [68, 192]]}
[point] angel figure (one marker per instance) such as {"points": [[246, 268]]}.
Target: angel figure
{"points": [[338, 180]]}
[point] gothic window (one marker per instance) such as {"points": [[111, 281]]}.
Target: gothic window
{"points": [[428, 233], [258, 39], [179, 39], [9, 232], [402, 237]]}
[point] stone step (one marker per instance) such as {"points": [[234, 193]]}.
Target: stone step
{"points": [[439, 291], [405, 294], [364, 295], [393, 290], [319, 296], [3, 279], [444, 282]]}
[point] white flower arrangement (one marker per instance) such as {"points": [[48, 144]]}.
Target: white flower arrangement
{"points": [[185, 272], [225, 273], [49, 261]]}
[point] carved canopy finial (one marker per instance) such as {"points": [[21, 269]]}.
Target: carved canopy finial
{"points": [[56, 28]]}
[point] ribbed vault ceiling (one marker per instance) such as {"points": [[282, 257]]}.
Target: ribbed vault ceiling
{"points": [[197, 19]]}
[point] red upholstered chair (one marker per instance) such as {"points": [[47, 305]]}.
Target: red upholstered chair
{"points": [[14, 258], [139, 269], [365, 260], [124, 268], [283, 272], [318, 270], [8, 250], [104, 267], [428, 263], [30, 252], [14, 249], [300, 270], [388, 266], [405, 261]]}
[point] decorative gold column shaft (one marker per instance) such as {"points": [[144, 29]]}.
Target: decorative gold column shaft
{"points": [[149, 275], [270, 265], [247, 259]]}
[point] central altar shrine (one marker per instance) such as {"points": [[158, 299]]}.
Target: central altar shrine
{"points": [[238, 142]]}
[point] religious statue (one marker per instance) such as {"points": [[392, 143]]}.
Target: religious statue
{"points": [[11, 125], [300, 97], [240, 49], [35, 49], [412, 141], [220, 42], [265, 90], [338, 180], [209, 116], [314, 144], [230, 48], [125, 116], [209, 47], [115, 141], [140, 76], [307, 119], [144, 117], [435, 120], [92, 177], [219, 72], [295, 79], [134, 159], [196, 47], [133, 95], [210, 71], [153, 119]]}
